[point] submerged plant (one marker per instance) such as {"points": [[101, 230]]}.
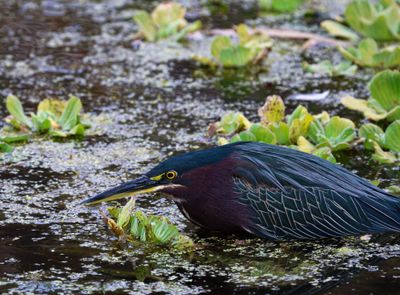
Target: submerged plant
{"points": [[384, 102], [279, 5], [137, 226], [368, 54], [318, 135], [166, 20], [53, 117], [385, 144], [326, 67], [250, 49], [380, 21]]}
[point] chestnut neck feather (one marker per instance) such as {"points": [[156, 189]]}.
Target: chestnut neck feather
{"points": [[207, 198]]}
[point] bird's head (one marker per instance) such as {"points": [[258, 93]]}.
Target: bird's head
{"points": [[172, 177]]}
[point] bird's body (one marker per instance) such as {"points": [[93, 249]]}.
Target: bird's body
{"points": [[270, 191]]}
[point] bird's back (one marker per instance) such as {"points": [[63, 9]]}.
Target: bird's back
{"points": [[296, 195]]}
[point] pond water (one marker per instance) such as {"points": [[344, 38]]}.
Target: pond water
{"points": [[149, 101]]}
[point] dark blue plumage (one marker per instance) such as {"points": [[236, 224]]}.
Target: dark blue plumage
{"points": [[270, 191]]}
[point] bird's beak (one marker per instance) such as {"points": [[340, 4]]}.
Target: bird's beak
{"points": [[140, 185]]}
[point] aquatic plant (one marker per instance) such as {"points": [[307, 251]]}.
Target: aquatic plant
{"points": [[166, 20], [385, 144], [368, 54], [335, 133], [380, 21], [318, 135], [6, 141], [279, 5], [139, 227], [250, 49], [54, 117], [384, 102], [344, 68], [339, 30]]}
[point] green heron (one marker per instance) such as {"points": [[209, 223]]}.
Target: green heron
{"points": [[269, 191]]}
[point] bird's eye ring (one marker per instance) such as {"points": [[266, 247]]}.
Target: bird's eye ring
{"points": [[171, 174]]}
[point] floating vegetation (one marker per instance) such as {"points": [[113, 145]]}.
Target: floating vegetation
{"points": [[385, 144], [6, 142], [368, 54], [380, 21], [384, 102], [326, 67], [281, 6], [251, 48], [139, 227], [167, 20], [319, 135], [54, 117], [339, 30]]}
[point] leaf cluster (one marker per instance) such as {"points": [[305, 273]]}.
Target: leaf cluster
{"points": [[250, 48], [152, 229], [166, 20], [384, 102], [318, 135], [53, 117]]}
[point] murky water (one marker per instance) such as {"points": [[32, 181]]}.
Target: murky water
{"points": [[148, 101]]}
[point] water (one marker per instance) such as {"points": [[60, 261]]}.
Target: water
{"points": [[146, 102]]}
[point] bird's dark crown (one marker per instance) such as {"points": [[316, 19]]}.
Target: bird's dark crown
{"points": [[192, 160]]}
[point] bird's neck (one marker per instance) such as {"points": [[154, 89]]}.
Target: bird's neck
{"points": [[207, 197]]}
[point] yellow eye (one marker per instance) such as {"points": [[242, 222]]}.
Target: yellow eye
{"points": [[171, 174]]}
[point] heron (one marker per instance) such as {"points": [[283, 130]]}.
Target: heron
{"points": [[269, 191]]}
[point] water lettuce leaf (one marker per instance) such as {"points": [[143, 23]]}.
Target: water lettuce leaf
{"points": [[380, 21], [338, 30], [166, 20], [384, 102], [279, 5], [368, 54], [377, 140]]}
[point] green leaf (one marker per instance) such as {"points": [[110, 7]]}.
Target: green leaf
{"points": [[249, 49], [325, 153], [232, 122], [340, 129], [167, 13], [125, 214], [218, 44], [163, 231], [14, 138], [338, 30], [368, 54], [299, 122], [5, 147], [146, 26], [244, 136], [70, 115], [335, 134], [281, 131], [371, 132], [382, 156], [78, 130], [279, 5], [262, 134], [373, 20], [385, 89], [392, 137], [15, 108], [273, 110], [236, 56]]}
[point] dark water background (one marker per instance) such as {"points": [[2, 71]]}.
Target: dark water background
{"points": [[149, 101]]}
